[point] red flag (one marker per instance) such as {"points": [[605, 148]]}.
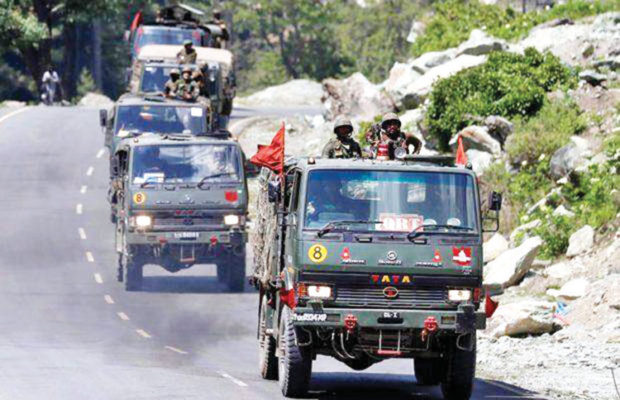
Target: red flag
{"points": [[271, 156], [461, 157], [137, 20], [490, 306]]}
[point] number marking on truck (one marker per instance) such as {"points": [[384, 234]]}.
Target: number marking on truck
{"points": [[317, 253]]}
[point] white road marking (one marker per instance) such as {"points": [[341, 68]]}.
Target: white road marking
{"points": [[89, 257], [233, 379], [100, 153], [82, 234], [175, 350], [78, 208], [9, 115], [98, 278], [122, 316], [89, 171], [83, 189], [108, 299], [143, 333]]}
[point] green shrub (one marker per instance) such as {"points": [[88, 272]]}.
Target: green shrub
{"points": [[555, 232], [507, 84], [545, 132], [86, 84]]}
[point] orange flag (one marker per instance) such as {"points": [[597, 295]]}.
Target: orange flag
{"points": [[461, 157], [271, 156], [137, 20], [490, 306]]}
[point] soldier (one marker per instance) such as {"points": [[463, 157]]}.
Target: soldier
{"points": [[391, 136], [188, 54], [170, 89], [342, 146], [198, 78], [187, 88], [220, 41]]}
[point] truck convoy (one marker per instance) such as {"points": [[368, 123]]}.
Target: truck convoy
{"points": [[366, 260]]}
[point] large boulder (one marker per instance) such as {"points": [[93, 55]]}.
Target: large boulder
{"points": [[569, 157], [433, 59], [93, 99], [480, 160], [492, 248], [573, 289], [480, 43], [499, 128], [512, 265], [526, 317], [401, 76], [294, 93], [417, 28], [355, 97], [524, 230], [580, 241], [478, 138]]}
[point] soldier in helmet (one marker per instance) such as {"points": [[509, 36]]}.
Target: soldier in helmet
{"points": [[170, 89], [188, 54], [187, 89], [342, 146], [391, 137]]}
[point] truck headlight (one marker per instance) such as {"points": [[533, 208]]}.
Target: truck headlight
{"points": [[231, 219], [143, 221], [459, 294], [319, 291]]}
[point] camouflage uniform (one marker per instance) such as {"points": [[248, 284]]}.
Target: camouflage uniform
{"points": [[187, 56], [172, 84], [187, 88], [342, 146], [396, 139]]}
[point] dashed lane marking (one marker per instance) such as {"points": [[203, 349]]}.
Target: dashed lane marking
{"points": [[82, 234], [83, 189], [100, 153], [98, 278], [123, 316], [89, 171], [108, 299], [89, 257], [143, 333], [9, 115], [78, 208], [175, 350], [233, 379]]}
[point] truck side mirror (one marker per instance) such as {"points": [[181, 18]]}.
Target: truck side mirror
{"points": [[495, 205], [103, 118], [495, 201]]}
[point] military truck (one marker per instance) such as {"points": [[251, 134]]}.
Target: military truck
{"points": [[181, 201], [366, 260]]}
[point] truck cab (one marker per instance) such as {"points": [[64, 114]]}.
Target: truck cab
{"points": [[181, 201], [372, 260]]}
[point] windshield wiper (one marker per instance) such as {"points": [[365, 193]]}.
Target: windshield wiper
{"points": [[334, 224], [203, 180], [433, 228]]}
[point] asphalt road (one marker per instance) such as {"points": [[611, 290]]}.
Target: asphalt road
{"points": [[68, 330]]}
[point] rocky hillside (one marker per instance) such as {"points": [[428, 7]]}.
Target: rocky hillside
{"points": [[540, 121]]}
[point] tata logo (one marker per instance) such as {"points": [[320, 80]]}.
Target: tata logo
{"points": [[391, 258], [390, 292]]}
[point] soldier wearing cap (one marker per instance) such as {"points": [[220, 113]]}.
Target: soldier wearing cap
{"points": [[170, 89], [188, 54], [390, 134], [187, 89], [342, 146]]}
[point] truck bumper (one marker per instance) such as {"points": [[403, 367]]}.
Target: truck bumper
{"points": [[211, 238]]}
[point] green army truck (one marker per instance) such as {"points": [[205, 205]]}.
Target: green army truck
{"points": [[366, 260], [181, 201]]}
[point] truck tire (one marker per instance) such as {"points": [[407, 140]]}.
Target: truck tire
{"points": [[295, 362], [267, 360], [236, 272], [133, 274], [428, 371], [458, 381]]}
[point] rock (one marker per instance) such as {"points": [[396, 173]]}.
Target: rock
{"points": [[587, 50], [480, 160], [525, 228], [433, 59], [355, 97], [13, 104], [401, 76], [478, 138], [526, 317], [512, 265], [499, 128], [297, 92], [592, 77], [417, 28], [480, 43], [561, 211], [493, 247], [411, 119], [556, 22], [573, 289], [567, 158], [92, 99], [580, 241], [613, 63], [560, 270]]}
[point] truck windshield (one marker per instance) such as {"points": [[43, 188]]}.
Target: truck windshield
{"points": [[166, 35], [160, 119], [186, 164], [154, 78], [401, 201]]}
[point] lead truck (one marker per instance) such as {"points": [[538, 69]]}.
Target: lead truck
{"points": [[366, 260]]}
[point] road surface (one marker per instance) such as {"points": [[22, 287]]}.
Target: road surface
{"points": [[68, 330]]}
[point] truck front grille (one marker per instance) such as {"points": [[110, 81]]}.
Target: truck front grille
{"points": [[374, 297]]}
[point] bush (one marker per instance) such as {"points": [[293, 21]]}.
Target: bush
{"points": [[545, 132], [507, 84], [86, 84]]}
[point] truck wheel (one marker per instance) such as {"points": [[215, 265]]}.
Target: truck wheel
{"points": [[267, 360], [458, 381], [236, 272], [428, 371], [133, 274], [295, 362]]}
